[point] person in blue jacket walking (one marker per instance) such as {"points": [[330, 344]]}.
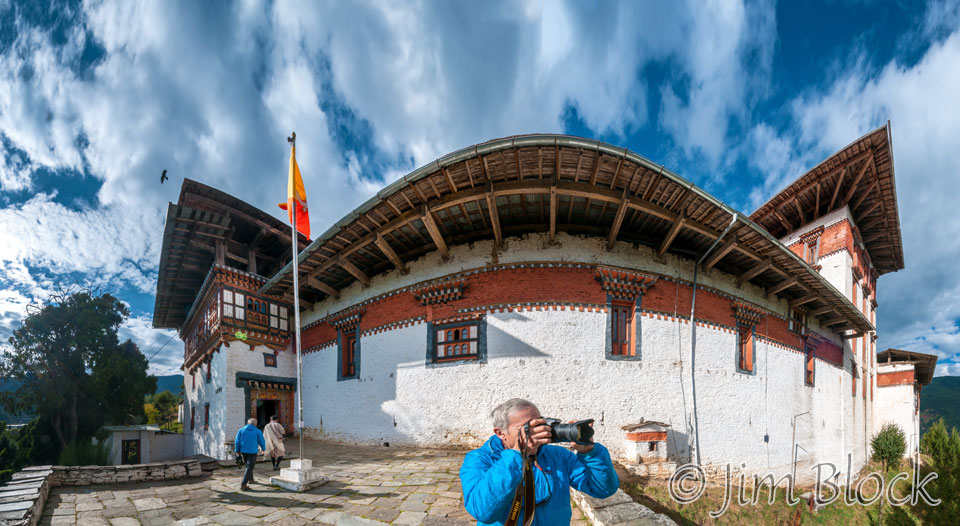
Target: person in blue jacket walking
{"points": [[490, 474], [248, 443]]}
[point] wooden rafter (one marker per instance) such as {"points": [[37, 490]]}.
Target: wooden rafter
{"points": [[345, 264], [755, 271], [803, 300], [836, 190], [856, 181], [782, 286], [390, 253], [678, 223], [823, 310], [816, 208], [427, 217], [553, 210], [783, 220], [864, 195], [796, 202], [720, 253], [322, 287], [618, 220], [596, 169], [494, 214]]}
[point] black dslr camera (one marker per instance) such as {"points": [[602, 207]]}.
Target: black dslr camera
{"points": [[579, 432]]}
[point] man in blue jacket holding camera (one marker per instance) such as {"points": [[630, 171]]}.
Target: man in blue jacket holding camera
{"points": [[491, 474]]}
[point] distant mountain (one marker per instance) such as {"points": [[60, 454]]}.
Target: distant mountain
{"points": [[940, 399], [172, 383]]}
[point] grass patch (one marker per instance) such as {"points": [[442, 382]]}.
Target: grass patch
{"points": [[654, 494]]}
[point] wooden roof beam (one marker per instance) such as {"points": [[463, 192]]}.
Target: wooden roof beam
{"points": [[866, 194], [427, 217], [856, 181], [322, 287], [783, 220], [825, 310], [757, 269], [345, 264], [816, 208], [833, 321], [390, 253], [784, 285], [873, 237], [719, 253], [617, 220], [671, 235], [494, 214], [854, 334], [803, 300], [836, 190], [553, 211], [796, 202]]}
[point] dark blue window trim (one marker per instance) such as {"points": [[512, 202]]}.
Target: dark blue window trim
{"points": [[736, 350], [432, 343], [356, 356], [637, 331]]}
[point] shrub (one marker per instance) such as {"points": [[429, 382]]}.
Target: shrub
{"points": [[84, 454], [889, 445]]}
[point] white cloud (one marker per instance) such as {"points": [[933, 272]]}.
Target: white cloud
{"points": [[162, 347], [728, 58]]}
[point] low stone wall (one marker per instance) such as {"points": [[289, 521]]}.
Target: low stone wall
{"points": [[22, 499], [618, 510]]}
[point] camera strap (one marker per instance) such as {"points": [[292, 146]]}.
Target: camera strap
{"points": [[524, 493]]}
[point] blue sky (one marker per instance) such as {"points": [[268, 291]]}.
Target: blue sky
{"points": [[97, 98]]}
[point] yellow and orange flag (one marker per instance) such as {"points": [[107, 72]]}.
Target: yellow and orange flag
{"points": [[297, 197]]}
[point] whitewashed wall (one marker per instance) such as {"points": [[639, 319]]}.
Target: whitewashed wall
{"points": [[895, 405], [556, 359], [197, 440], [226, 400]]}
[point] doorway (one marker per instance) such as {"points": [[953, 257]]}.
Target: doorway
{"points": [[266, 409], [130, 452]]}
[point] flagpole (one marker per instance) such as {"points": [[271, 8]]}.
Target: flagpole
{"points": [[296, 301]]}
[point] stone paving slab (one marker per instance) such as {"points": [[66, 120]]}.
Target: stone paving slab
{"points": [[367, 486]]}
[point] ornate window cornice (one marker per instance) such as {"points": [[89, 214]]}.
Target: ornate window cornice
{"points": [[440, 292], [622, 283]]}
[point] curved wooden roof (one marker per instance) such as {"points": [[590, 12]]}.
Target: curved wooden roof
{"points": [[551, 183], [859, 176]]}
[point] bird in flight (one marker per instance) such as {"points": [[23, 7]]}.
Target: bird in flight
{"points": [[163, 177]]}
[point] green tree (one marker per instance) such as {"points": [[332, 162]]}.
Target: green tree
{"points": [[74, 373], [944, 451], [888, 447], [9, 458], [166, 404]]}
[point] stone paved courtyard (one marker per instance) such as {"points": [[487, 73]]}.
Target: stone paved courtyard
{"points": [[367, 486]]}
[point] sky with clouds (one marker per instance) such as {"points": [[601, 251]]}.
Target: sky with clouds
{"points": [[96, 98]]}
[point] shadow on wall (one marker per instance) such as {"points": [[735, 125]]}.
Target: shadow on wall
{"points": [[405, 421]]}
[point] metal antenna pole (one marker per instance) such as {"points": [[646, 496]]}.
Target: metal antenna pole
{"points": [[296, 296]]}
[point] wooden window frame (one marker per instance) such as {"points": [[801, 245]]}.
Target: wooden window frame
{"points": [[797, 322], [746, 338], [209, 375], [206, 416], [623, 329], [193, 418], [348, 345], [811, 251], [433, 343], [809, 368], [453, 338]]}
